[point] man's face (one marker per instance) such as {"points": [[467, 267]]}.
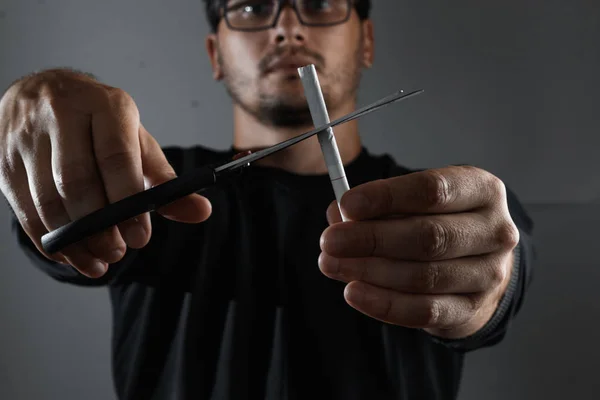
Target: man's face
{"points": [[260, 69]]}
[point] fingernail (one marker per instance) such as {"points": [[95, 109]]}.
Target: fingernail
{"points": [[355, 203], [329, 264], [116, 254], [98, 268], [354, 294], [135, 235]]}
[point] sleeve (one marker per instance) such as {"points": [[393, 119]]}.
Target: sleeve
{"points": [[68, 274], [510, 304]]}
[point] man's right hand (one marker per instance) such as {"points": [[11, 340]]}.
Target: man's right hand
{"points": [[69, 145]]}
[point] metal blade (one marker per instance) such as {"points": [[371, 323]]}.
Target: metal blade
{"points": [[243, 161]]}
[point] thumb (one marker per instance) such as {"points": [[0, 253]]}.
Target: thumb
{"points": [[333, 213], [193, 208]]}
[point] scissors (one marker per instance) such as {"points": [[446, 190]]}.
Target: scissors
{"points": [[191, 182]]}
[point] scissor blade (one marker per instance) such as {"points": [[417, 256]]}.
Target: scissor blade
{"points": [[243, 161]]}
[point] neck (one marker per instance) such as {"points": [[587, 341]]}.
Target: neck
{"points": [[305, 157]]}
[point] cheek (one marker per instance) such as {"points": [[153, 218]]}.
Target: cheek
{"points": [[339, 49], [242, 52]]}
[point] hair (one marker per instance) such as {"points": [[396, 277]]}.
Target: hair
{"points": [[363, 9]]}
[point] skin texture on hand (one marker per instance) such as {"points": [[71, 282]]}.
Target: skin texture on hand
{"points": [[69, 145], [430, 249]]}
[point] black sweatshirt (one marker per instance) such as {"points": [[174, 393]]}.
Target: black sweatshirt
{"points": [[237, 308]]}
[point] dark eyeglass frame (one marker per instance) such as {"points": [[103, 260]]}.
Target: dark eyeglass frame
{"points": [[280, 5]]}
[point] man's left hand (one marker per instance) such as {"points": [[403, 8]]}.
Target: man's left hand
{"points": [[430, 249]]}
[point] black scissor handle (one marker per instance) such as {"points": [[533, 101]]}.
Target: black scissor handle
{"points": [[129, 207]]}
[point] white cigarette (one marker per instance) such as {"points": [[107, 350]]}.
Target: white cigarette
{"points": [[318, 111]]}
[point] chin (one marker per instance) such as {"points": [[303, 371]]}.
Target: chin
{"points": [[284, 83], [285, 111], [291, 96]]}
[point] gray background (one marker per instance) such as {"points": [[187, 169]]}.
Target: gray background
{"points": [[511, 86]]}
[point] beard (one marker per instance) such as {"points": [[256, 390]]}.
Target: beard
{"points": [[287, 110]]}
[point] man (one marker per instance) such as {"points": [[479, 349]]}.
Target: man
{"points": [[256, 289]]}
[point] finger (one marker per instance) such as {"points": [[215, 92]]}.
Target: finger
{"points": [[444, 190], [462, 275], [106, 246], [116, 145], [412, 310], [241, 154], [193, 208], [22, 203], [78, 182], [333, 213], [421, 238], [14, 177]]}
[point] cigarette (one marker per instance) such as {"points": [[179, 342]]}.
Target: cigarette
{"points": [[318, 111]]}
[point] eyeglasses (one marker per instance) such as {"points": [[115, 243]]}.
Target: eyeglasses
{"points": [[256, 15]]}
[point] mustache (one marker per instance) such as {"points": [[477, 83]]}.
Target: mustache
{"points": [[318, 60]]}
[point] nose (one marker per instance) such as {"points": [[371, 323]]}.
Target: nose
{"points": [[288, 28]]}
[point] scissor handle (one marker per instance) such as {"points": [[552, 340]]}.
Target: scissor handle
{"points": [[129, 207]]}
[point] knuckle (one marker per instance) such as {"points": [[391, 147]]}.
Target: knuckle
{"points": [[497, 274], [21, 128], [74, 183], [47, 204], [26, 138], [497, 188], [369, 239], [431, 315], [36, 87], [508, 235], [497, 183], [46, 89], [118, 159], [434, 239], [29, 223], [429, 278], [122, 102], [54, 86], [474, 304], [437, 191], [386, 196]]}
